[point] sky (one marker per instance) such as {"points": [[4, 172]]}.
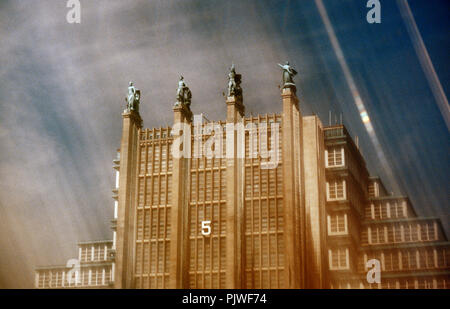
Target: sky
{"points": [[63, 87]]}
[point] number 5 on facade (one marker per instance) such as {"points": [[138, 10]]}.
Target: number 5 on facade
{"points": [[206, 228]]}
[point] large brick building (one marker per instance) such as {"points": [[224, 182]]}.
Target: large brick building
{"points": [[272, 201], [238, 218]]}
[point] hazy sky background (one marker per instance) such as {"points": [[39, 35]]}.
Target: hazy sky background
{"points": [[63, 86]]}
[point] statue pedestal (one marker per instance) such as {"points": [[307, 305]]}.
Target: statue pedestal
{"points": [[134, 116], [290, 86], [293, 190], [235, 108], [182, 113]]}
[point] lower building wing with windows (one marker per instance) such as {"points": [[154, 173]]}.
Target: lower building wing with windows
{"points": [[91, 269], [366, 223]]}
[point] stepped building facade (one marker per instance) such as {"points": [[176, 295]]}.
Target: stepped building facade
{"points": [[268, 201], [364, 222], [92, 269]]}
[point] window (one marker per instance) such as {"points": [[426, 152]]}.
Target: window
{"points": [[336, 190], [374, 189], [427, 284], [98, 253], [426, 259], [337, 224], [398, 232], [414, 232], [427, 231], [84, 277], [377, 211], [384, 210], [409, 260], [372, 192], [334, 157], [442, 258], [396, 210], [377, 234], [85, 254], [391, 262], [107, 276], [338, 258]]}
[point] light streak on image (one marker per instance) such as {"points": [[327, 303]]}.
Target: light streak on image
{"points": [[425, 61], [355, 93]]}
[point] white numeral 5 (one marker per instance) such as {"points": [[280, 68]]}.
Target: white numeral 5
{"points": [[206, 227]]}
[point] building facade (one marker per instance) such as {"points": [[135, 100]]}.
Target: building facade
{"points": [[268, 201], [364, 222], [92, 269], [272, 201]]}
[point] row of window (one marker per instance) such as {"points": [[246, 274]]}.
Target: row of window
{"points": [[214, 280], [262, 144], [153, 281], [387, 210], [401, 232], [158, 159], [208, 185], [334, 156], [430, 258], [85, 277], [420, 283], [94, 253], [267, 182], [156, 190], [213, 212], [153, 223], [152, 257], [155, 134]]}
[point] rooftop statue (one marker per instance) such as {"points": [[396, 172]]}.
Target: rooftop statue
{"points": [[288, 75], [184, 94], [234, 83], [133, 98]]}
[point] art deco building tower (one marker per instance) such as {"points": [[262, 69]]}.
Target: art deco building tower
{"points": [[229, 221], [272, 201]]}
